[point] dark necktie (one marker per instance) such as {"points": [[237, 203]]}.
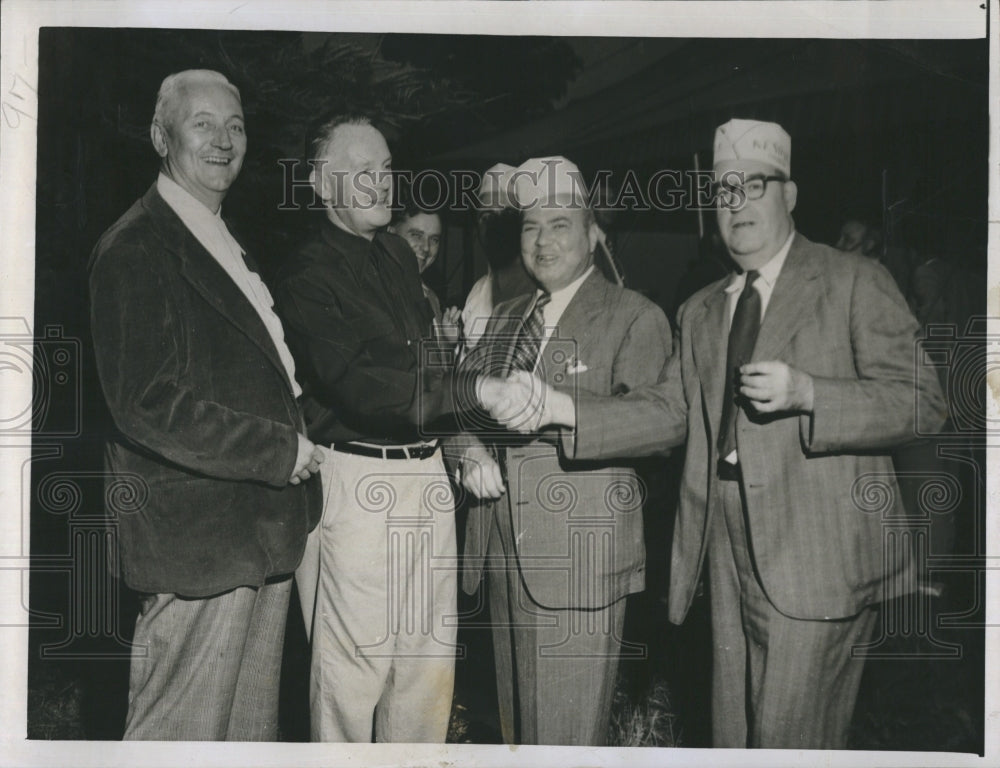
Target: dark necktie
{"points": [[742, 337], [529, 341]]}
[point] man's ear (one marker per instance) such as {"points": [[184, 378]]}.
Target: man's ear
{"points": [[790, 193], [159, 138], [593, 235], [321, 183]]}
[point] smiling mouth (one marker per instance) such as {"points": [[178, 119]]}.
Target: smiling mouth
{"points": [[741, 224], [213, 160]]}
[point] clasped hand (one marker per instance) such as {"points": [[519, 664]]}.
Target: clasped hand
{"points": [[307, 461], [480, 474], [517, 402]]}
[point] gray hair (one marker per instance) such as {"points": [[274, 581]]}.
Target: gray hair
{"points": [[173, 84], [319, 133]]}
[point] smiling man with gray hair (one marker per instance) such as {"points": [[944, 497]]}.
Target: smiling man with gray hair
{"points": [[202, 390]]}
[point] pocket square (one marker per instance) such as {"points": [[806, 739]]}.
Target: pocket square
{"points": [[575, 366]]}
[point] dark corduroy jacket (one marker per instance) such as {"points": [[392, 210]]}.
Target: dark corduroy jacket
{"points": [[205, 415]]}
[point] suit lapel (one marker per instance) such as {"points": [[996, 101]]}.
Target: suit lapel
{"points": [[209, 279], [504, 327], [577, 326], [792, 301], [710, 339]]}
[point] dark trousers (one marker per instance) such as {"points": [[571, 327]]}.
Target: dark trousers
{"points": [[777, 682]]}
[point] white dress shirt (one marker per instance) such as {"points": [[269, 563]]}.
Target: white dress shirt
{"points": [[210, 230], [477, 310], [764, 286], [553, 311]]}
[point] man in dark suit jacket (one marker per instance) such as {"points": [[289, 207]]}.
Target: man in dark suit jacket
{"points": [[202, 391], [788, 429], [562, 542]]}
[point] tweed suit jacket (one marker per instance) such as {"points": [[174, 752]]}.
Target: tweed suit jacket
{"points": [[206, 421], [578, 525], [820, 489]]}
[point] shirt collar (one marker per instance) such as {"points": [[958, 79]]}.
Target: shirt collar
{"points": [[567, 292], [184, 202], [769, 272], [355, 249]]}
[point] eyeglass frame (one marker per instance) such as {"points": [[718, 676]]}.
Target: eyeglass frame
{"points": [[740, 191]]}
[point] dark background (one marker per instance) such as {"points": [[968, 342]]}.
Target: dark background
{"points": [[891, 131]]}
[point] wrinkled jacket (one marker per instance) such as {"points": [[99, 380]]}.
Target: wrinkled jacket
{"points": [[823, 506], [205, 416]]}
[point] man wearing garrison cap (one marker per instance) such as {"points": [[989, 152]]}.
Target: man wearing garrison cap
{"points": [[794, 379], [558, 543], [497, 226]]}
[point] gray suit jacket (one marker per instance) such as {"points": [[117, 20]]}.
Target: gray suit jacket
{"points": [[578, 525], [821, 495]]}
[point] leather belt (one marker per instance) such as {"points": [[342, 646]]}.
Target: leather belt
{"points": [[416, 451], [728, 471]]}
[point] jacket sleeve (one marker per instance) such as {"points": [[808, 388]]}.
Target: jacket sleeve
{"points": [[140, 344], [877, 408], [646, 420]]}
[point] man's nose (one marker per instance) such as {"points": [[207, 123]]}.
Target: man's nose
{"points": [[221, 137]]}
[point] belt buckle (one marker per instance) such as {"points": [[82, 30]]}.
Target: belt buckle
{"points": [[421, 451]]}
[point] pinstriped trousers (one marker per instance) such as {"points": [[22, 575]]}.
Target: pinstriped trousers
{"points": [[777, 682], [208, 669], [555, 669]]}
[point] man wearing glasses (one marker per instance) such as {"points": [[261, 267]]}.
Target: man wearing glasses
{"points": [[795, 378]]}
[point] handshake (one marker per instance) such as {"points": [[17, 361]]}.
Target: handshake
{"points": [[523, 403]]}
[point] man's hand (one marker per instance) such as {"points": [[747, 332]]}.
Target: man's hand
{"points": [[449, 327], [307, 462], [480, 474], [773, 386], [524, 403], [517, 402]]}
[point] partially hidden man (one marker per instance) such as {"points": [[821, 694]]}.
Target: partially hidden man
{"points": [[795, 377], [561, 545], [202, 390]]}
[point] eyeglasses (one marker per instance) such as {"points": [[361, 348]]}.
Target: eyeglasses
{"points": [[730, 195]]}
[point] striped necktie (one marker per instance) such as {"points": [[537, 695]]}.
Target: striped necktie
{"points": [[529, 341]]}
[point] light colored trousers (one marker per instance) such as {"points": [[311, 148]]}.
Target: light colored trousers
{"points": [[208, 669], [378, 586]]}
